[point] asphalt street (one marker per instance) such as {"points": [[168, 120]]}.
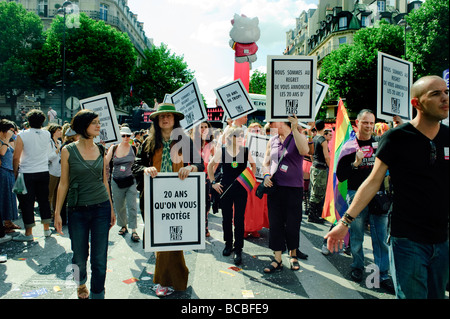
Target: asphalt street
{"points": [[41, 269]]}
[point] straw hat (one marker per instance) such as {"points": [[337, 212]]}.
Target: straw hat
{"points": [[167, 108]]}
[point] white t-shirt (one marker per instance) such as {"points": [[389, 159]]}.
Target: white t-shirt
{"points": [[36, 149], [51, 115]]}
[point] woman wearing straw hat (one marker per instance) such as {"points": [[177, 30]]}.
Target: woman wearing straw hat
{"points": [[157, 154]]}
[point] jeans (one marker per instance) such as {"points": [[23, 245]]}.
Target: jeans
{"points": [[93, 220], [378, 233], [124, 200], [419, 271]]}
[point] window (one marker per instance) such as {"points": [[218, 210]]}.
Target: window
{"points": [[43, 8], [342, 40], [342, 23], [365, 21], [103, 12], [381, 5]]}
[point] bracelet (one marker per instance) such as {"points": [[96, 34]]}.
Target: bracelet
{"points": [[310, 142], [344, 223], [348, 217], [265, 175]]}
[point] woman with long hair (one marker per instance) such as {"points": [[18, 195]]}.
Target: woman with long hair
{"points": [[167, 149]]}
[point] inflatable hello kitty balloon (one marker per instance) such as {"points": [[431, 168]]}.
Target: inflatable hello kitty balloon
{"points": [[244, 34]]}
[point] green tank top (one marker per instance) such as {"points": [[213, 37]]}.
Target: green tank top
{"points": [[85, 179]]}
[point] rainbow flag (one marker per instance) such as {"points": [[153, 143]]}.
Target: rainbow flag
{"points": [[247, 179], [342, 143]]}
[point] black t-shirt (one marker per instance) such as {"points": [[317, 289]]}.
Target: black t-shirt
{"points": [[355, 177], [318, 157], [419, 169], [232, 167]]}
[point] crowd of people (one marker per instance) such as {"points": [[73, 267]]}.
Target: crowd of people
{"points": [[88, 187]]}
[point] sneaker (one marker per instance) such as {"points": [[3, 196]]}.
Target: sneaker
{"points": [[163, 291], [47, 233], [356, 274], [388, 285], [3, 258], [22, 237], [227, 251], [5, 239], [237, 258], [325, 250]]}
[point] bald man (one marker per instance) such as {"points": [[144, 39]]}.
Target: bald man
{"points": [[417, 156]]}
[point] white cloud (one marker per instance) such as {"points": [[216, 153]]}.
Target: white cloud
{"points": [[199, 30]]}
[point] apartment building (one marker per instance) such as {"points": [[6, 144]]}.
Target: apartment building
{"points": [[334, 22]]}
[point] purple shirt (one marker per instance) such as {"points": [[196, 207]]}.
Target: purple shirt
{"points": [[290, 171]]}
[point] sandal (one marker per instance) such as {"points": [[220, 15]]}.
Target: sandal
{"points": [[271, 268], [135, 237], [83, 292], [294, 263], [123, 231]]}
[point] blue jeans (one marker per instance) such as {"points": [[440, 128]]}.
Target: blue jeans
{"points": [[93, 220], [378, 233], [419, 271]]}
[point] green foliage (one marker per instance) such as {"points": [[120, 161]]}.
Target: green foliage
{"points": [[258, 83], [100, 57], [351, 71], [160, 73], [428, 39], [21, 38]]}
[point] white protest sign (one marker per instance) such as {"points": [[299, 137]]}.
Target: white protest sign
{"points": [[103, 105], [321, 91], [291, 87], [174, 212], [188, 100], [257, 145], [234, 99], [395, 78]]}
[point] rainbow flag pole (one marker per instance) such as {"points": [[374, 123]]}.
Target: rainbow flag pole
{"points": [[247, 179], [342, 143]]}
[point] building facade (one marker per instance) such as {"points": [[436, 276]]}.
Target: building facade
{"points": [[334, 22], [320, 31], [113, 12]]}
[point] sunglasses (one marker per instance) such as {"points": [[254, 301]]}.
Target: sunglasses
{"points": [[125, 135]]}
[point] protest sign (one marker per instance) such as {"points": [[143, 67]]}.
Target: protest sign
{"points": [[103, 105], [234, 99], [174, 212], [321, 91], [188, 100], [395, 78], [257, 145], [291, 87]]}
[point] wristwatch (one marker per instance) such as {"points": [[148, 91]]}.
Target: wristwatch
{"points": [[213, 182]]}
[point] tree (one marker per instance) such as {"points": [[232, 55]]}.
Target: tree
{"points": [[99, 57], [258, 82], [351, 71], [160, 73], [427, 42], [21, 38]]}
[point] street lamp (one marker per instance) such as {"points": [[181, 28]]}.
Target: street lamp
{"points": [[404, 24], [62, 11]]}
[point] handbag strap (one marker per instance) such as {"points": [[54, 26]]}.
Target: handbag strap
{"points": [[282, 156]]}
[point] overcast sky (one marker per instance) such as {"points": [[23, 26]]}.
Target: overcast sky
{"points": [[199, 31]]}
